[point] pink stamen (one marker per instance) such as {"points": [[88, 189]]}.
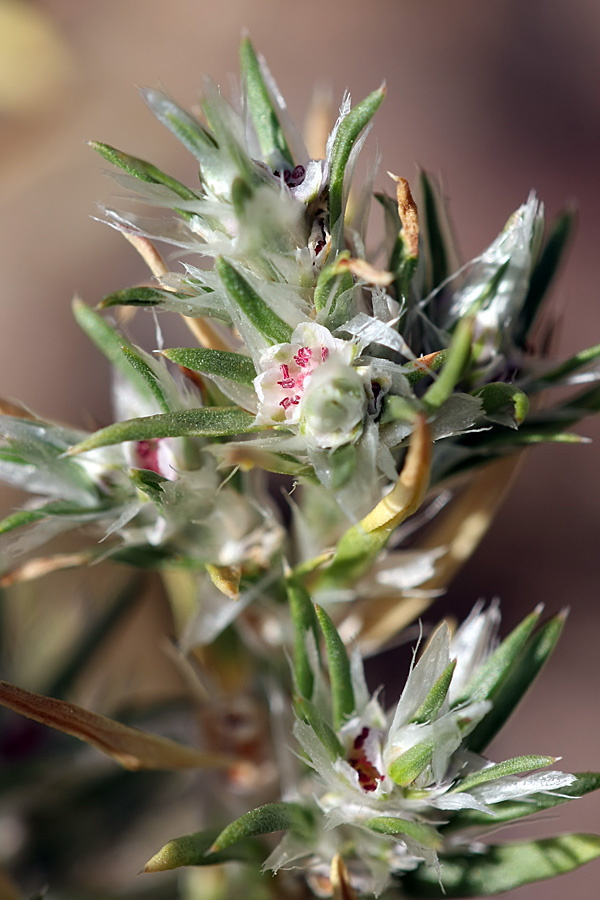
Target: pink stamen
{"points": [[288, 383], [324, 353], [302, 357], [285, 371]]}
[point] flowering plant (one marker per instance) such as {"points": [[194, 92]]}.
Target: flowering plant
{"points": [[390, 395]]}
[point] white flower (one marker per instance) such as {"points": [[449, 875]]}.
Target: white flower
{"points": [[310, 383]]}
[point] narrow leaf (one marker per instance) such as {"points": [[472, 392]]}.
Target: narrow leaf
{"points": [[544, 273], [432, 704], [149, 377], [342, 694], [185, 127], [521, 675], [267, 322], [140, 296], [193, 850], [143, 170], [502, 868], [264, 820], [268, 129], [130, 747], [220, 363], [321, 728], [210, 421], [490, 676], [436, 244], [510, 810], [348, 131], [514, 766], [504, 403], [409, 765], [424, 834], [304, 619], [457, 360]]}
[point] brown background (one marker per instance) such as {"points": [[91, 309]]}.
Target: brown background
{"points": [[494, 97]]}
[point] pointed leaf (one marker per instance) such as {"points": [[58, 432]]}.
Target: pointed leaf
{"points": [[510, 810], [502, 868], [185, 127], [263, 112], [424, 834], [193, 850], [143, 170], [342, 694], [504, 403], [140, 296], [148, 376], [321, 728], [409, 765], [457, 360], [348, 131], [130, 747], [436, 244], [210, 421], [543, 274], [267, 322], [304, 619], [264, 820], [521, 675], [515, 766], [432, 704], [220, 363], [489, 677], [561, 372]]}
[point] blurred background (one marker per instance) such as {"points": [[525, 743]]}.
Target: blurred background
{"points": [[494, 98]]}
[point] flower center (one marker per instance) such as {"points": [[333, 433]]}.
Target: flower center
{"points": [[146, 455], [293, 385], [292, 177], [368, 776]]}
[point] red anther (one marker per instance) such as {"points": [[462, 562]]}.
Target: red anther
{"points": [[302, 357], [284, 370], [287, 383], [361, 738], [318, 247], [295, 399], [286, 402], [324, 353]]}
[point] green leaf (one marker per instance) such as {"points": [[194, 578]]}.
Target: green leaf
{"points": [[262, 110], [264, 820], [409, 765], [424, 834], [221, 363], [417, 369], [432, 703], [321, 728], [348, 131], [21, 518], [304, 619], [561, 372], [504, 403], [207, 422], [490, 676], [342, 694], [332, 282], [520, 675], [543, 274], [267, 322], [149, 483], [502, 868], [510, 810], [436, 244], [143, 170], [140, 296], [514, 766], [185, 127], [110, 343], [149, 377], [457, 360], [193, 850]]}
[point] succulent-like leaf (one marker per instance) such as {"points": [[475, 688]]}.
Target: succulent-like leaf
{"points": [[304, 619], [501, 868], [424, 834], [342, 693], [149, 377], [348, 131], [504, 403], [432, 704], [409, 765], [510, 810], [321, 727], [143, 170], [488, 679], [515, 766], [193, 850], [210, 421], [264, 820], [458, 357], [434, 233], [266, 322], [521, 674], [220, 363], [263, 112]]}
